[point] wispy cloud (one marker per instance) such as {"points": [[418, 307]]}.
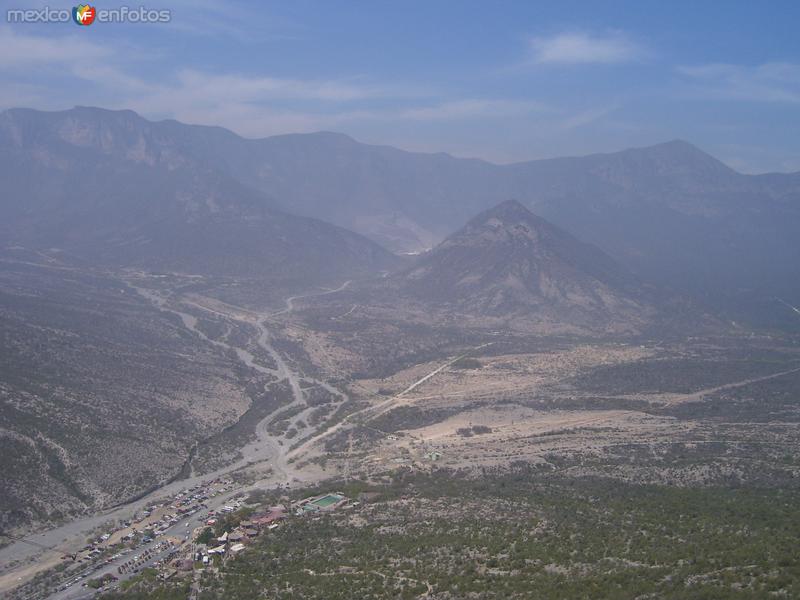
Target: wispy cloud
{"points": [[249, 105], [252, 105], [471, 107], [587, 117], [253, 89], [21, 51], [769, 82], [256, 104], [246, 22], [583, 48]]}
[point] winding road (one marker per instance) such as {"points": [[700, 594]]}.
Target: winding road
{"points": [[290, 300]]}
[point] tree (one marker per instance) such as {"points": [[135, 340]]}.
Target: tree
{"points": [[205, 536]]}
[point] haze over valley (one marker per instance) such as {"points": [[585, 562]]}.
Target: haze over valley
{"points": [[244, 363]]}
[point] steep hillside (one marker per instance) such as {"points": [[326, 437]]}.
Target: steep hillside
{"points": [[509, 262], [114, 189]]}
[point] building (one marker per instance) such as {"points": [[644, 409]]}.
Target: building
{"points": [[266, 519]]}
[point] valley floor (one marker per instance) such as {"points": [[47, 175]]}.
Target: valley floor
{"points": [[557, 443]]}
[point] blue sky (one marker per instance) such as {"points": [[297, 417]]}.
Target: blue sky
{"points": [[504, 81]]}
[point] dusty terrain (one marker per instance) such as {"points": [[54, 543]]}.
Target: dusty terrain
{"points": [[679, 412], [336, 389]]}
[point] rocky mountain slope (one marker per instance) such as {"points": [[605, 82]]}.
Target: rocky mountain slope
{"points": [[111, 188], [101, 395], [508, 262]]}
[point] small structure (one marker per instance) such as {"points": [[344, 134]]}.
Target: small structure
{"points": [[236, 548]]}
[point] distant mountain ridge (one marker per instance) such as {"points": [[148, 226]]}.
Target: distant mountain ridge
{"points": [[670, 213], [116, 190]]}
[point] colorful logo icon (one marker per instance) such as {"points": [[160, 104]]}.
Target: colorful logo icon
{"points": [[83, 14]]}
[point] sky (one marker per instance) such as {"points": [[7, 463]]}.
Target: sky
{"points": [[502, 81]]}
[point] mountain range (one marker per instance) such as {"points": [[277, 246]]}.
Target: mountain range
{"points": [[207, 199]]}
